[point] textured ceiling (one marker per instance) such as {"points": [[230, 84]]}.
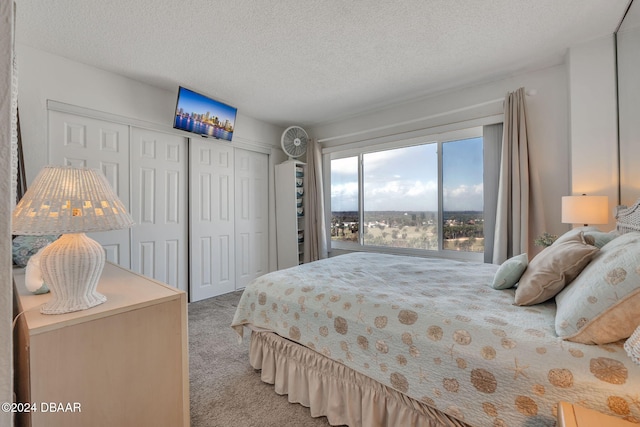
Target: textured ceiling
{"points": [[310, 61]]}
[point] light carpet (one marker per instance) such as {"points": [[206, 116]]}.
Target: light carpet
{"points": [[225, 390]]}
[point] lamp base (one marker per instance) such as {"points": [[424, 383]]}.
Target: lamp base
{"points": [[71, 267]]}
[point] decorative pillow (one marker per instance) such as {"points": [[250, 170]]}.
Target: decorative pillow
{"points": [[574, 232], [603, 304], [510, 272], [601, 238], [24, 247], [552, 269]]}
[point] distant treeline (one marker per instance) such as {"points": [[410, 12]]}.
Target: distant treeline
{"points": [[403, 216]]}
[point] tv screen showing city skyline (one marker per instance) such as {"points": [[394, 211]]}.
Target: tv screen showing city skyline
{"points": [[203, 115]]}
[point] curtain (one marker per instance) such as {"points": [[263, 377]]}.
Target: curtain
{"points": [[519, 203], [492, 148], [316, 234], [14, 127]]}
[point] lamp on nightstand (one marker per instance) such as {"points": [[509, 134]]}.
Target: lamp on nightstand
{"points": [[585, 209], [70, 201]]}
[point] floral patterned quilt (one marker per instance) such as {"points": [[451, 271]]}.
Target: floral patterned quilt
{"points": [[435, 330]]}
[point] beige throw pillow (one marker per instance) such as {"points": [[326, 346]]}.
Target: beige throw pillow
{"points": [[552, 269]]}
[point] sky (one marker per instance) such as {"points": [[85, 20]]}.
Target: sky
{"points": [[406, 179], [193, 102]]}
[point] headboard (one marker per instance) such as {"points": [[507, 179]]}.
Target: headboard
{"points": [[628, 219]]}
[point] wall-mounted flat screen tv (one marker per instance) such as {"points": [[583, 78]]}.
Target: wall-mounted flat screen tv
{"points": [[205, 116]]}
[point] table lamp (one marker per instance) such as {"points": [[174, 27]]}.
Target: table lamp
{"points": [[585, 209], [70, 201]]}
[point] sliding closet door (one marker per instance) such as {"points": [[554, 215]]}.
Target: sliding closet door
{"points": [[211, 215], [159, 206], [84, 142], [251, 222]]}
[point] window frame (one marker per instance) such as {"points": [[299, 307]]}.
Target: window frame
{"points": [[358, 149]]}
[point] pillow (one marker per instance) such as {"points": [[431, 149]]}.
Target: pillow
{"points": [[552, 269], [601, 238], [603, 304], [574, 232], [24, 247], [510, 271]]}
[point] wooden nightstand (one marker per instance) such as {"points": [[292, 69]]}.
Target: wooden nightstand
{"points": [[570, 415], [124, 362]]}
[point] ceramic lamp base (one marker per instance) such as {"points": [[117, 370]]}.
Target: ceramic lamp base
{"points": [[71, 267]]}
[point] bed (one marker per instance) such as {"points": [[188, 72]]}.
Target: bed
{"points": [[384, 340]]}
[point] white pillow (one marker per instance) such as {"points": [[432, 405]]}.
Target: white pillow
{"points": [[602, 305]]}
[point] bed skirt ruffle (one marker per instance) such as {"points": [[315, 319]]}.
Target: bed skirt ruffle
{"points": [[329, 388]]}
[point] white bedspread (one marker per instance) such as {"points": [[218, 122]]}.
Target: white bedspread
{"points": [[435, 330]]}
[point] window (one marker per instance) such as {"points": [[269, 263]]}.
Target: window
{"points": [[462, 195], [344, 200], [401, 197], [417, 196]]}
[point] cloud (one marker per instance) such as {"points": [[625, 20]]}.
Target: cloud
{"points": [[406, 179], [402, 195], [398, 195], [346, 166], [464, 198], [344, 197]]}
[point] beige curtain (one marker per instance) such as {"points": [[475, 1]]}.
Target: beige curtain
{"points": [[316, 233], [519, 208]]}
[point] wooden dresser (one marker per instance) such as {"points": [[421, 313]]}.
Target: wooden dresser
{"points": [[121, 363]]}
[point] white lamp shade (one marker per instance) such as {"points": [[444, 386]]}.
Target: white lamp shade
{"points": [[585, 209], [65, 199]]}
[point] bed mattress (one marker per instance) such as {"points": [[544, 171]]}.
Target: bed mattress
{"points": [[436, 331]]}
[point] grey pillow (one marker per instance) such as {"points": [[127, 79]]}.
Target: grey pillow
{"points": [[510, 272], [574, 232], [601, 238], [24, 247]]}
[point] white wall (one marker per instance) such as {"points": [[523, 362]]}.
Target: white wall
{"points": [[45, 76], [6, 337], [593, 109], [548, 125]]}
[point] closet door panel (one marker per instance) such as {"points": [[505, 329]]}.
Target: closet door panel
{"points": [[159, 240], [212, 212], [85, 142], [251, 223]]}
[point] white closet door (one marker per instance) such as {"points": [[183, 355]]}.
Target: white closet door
{"points": [[159, 206], [83, 142], [251, 222], [211, 178]]}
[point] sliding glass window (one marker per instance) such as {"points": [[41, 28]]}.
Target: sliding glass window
{"points": [[400, 197], [416, 197], [345, 216]]}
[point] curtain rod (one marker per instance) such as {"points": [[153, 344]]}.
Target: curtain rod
{"points": [[531, 92]]}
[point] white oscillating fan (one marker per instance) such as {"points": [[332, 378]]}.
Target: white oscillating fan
{"points": [[294, 141]]}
